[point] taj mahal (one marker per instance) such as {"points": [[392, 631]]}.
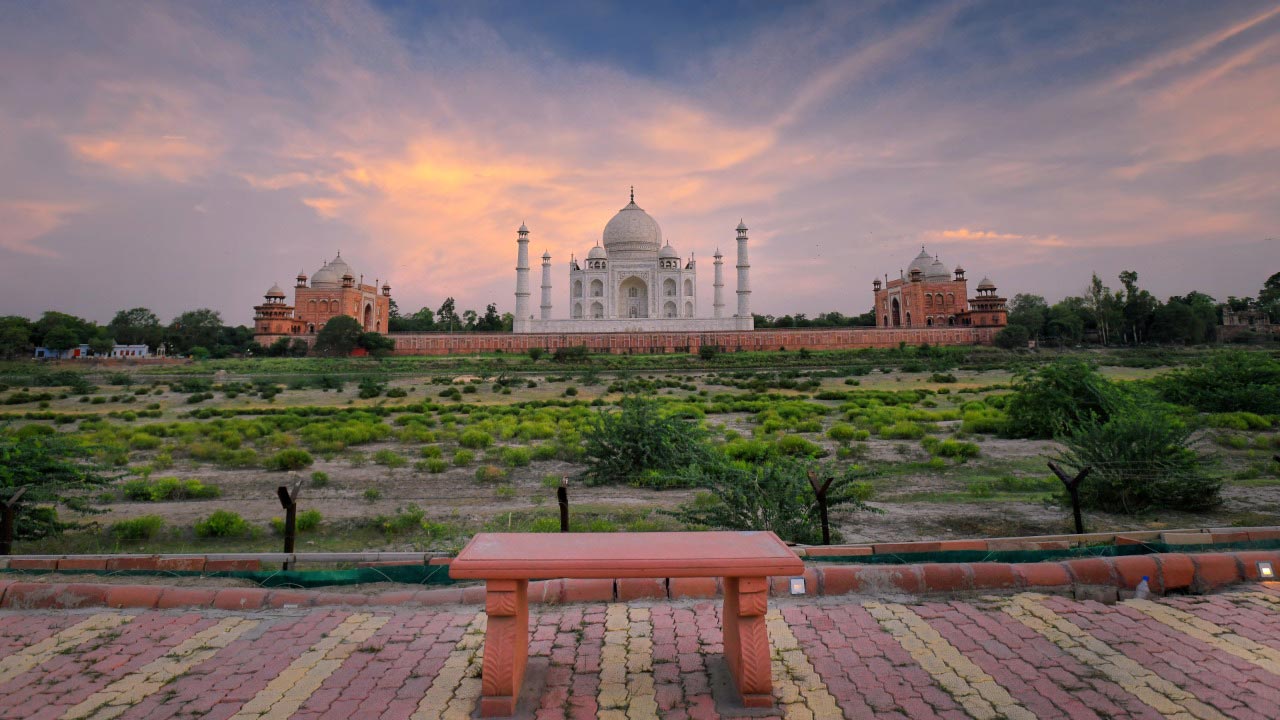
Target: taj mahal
{"points": [[632, 282]]}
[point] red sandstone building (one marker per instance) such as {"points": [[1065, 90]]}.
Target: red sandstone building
{"points": [[333, 290], [928, 295]]}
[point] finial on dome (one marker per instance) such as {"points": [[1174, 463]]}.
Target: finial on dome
{"points": [[633, 193]]}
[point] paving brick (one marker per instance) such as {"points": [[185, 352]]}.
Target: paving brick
{"points": [[82, 564], [133, 562], [33, 564], [192, 563]]}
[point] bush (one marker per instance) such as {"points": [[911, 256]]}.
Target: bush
{"points": [[490, 473], [463, 457], [389, 458], [435, 466], [902, 430], [536, 353], [371, 388], [222, 523], [1227, 382], [372, 494], [1141, 459], [1012, 337], [319, 479], [621, 446], [1233, 421], [942, 378], [306, 521], [750, 451], [842, 433], [143, 527], [991, 422], [709, 352], [796, 446], [475, 439], [773, 496], [168, 488], [1057, 396], [516, 456], [289, 459], [577, 353], [950, 448]]}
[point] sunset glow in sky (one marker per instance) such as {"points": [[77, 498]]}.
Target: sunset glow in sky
{"points": [[189, 155]]}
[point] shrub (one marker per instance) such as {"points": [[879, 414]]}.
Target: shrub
{"points": [[950, 448], [306, 521], [435, 466], [991, 422], [1141, 459], [1057, 396], [516, 456], [622, 445], [841, 432], [1237, 421], [431, 451], [902, 430], [475, 439], [942, 378], [490, 473], [143, 441], [319, 479], [773, 496], [143, 527], [463, 457], [372, 494], [1227, 382], [709, 352], [505, 492], [1012, 337], [397, 393], [576, 353], [750, 451], [571, 391], [289, 459], [222, 523], [796, 446], [536, 353], [389, 458]]}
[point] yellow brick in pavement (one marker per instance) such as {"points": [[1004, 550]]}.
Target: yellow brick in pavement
{"points": [[800, 692], [464, 662], [1211, 634], [41, 652], [122, 694], [976, 691], [642, 703], [1163, 696], [291, 688]]}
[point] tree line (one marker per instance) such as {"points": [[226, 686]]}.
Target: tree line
{"points": [[199, 332], [448, 319], [1129, 315]]}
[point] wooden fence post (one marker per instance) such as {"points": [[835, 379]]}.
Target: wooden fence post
{"points": [[289, 501], [1073, 489], [821, 492], [562, 497], [8, 518]]}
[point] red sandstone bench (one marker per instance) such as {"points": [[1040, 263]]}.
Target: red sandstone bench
{"points": [[508, 561]]}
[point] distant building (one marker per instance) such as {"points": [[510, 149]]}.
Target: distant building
{"points": [[1238, 324], [928, 295], [83, 352], [333, 291], [632, 282]]}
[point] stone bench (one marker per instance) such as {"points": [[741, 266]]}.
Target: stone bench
{"points": [[508, 561]]}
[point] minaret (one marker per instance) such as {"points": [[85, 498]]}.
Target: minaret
{"points": [[746, 322], [522, 316], [718, 302], [546, 285]]}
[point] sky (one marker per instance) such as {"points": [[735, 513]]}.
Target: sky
{"points": [[184, 155]]}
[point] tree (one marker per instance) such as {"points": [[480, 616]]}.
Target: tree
{"points": [[15, 337], [101, 345], [339, 336], [136, 327], [1103, 307], [1012, 337], [1138, 307], [61, 338], [376, 344], [447, 315], [1065, 321], [1048, 400], [1269, 297], [56, 470], [195, 327], [1029, 311], [82, 329], [469, 318], [492, 321]]}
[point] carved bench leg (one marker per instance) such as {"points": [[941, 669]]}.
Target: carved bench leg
{"points": [[506, 646], [746, 639]]}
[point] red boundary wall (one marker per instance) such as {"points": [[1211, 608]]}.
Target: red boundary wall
{"points": [[1168, 572], [675, 342]]}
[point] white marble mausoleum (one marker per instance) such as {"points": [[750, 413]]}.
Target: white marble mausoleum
{"points": [[632, 282]]}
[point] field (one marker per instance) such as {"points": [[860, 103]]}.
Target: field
{"points": [[418, 453]]}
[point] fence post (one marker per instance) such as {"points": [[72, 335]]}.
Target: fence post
{"points": [[8, 518], [821, 492], [1073, 489], [289, 501], [562, 497]]}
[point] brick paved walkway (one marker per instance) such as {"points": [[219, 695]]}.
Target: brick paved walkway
{"points": [[1019, 656]]}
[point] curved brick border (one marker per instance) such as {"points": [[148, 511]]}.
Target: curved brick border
{"points": [[1176, 572]]}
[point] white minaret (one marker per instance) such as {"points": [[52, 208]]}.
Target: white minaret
{"points": [[522, 317], [746, 322], [718, 300], [546, 285]]}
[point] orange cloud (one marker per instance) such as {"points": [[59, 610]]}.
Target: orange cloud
{"points": [[965, 235], [168, 157], [24, 222]]}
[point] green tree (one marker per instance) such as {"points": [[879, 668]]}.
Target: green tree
{"points": [[56, 470], [1065, 322], [491, 321], [447, 315], [376, 344], [101, 345], [15, 337], [1104, 308], [339, 336], [1012, 337], [1029, 311], [200, 327], [1049, 399], [82, 329], [61, 338], [774, 496], [1138, 308], [469, 318], [1269, 296], [136, 327]]}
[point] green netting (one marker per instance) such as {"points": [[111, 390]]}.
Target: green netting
{"points": [[1032, 556], [401, 574]]}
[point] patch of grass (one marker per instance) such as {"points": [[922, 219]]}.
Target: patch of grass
{"points": [[143, 527]]}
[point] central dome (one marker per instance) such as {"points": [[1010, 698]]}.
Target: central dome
{"points": [[632, 233]]}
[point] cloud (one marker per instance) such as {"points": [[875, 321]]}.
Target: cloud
{"points": [[23, 223]]}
